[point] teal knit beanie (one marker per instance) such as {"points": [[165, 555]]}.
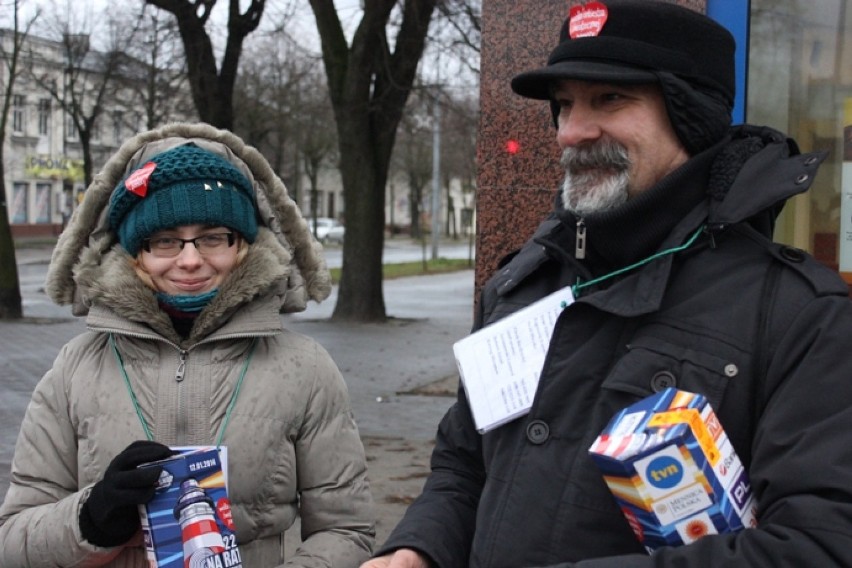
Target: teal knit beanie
{"points": [[182, 186]]}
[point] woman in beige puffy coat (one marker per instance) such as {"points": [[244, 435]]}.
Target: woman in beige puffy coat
{"points": [[182, 255]]}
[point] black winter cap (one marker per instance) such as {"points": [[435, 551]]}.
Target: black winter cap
{"points": [[644, 41]]}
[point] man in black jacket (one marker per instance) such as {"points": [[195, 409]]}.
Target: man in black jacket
{"points": [[661, 236]]}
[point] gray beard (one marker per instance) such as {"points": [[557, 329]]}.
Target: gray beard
{"points": [[586, 190]]}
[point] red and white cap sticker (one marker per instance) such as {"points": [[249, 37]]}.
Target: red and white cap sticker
{"points": [[587, 20], [137, 182]]}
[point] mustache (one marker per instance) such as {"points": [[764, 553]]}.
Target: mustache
{"points": [[604, 155]]}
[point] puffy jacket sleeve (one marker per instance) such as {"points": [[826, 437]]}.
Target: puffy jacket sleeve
{"points": [[38, 518], [336, 507]]}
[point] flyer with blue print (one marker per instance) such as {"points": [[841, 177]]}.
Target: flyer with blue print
{"points": [[188, 523]]}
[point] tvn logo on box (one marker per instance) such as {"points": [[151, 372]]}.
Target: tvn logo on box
{"points": [[673, 471]]}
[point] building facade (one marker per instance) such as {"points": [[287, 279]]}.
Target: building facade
{"points": [[43, 150], [456, 208]]}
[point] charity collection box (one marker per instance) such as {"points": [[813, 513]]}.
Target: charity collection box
{"points": [[188, 523], [673, 471]]}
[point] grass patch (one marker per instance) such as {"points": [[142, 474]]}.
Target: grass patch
{"points": [[416, 268]]}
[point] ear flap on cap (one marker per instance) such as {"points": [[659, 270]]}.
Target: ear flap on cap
{"points": [[700, 118]]}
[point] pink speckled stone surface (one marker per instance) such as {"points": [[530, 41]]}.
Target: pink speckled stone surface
{"points": [[515, 191]]}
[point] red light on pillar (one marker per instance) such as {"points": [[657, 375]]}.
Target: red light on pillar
{"points": [[513, 147]]}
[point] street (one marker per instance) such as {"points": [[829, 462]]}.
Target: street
{"points": [[405, 250]]}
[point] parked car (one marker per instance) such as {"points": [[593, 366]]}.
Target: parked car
{"points": [[328, 230]]}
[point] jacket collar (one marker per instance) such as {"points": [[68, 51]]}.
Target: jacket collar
{"points": [[755, 188], [635, 230], [248, 300], [750, 190]]}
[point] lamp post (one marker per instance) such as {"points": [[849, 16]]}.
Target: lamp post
{"points": [[436, 176]]}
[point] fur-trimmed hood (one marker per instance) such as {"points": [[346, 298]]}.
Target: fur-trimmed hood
{"points": [[89, 266]]}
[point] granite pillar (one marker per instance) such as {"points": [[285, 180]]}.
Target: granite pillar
{"points": [[517, 153]]}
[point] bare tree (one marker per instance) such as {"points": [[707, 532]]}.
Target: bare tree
{"points": [[286, 114], [163, 70], [90, 78], [317, 139], [413, 156], [458, 149], [275, 105], [212, 89], [263, 100], [460, 31], [454, 42], [10, 51], [268, 95], [369, 82]]}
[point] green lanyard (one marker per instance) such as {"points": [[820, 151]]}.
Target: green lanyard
{"points": [[135, 401], [579, 286]]}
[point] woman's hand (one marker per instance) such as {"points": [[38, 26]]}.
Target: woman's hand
{"points": [[110, 515]]}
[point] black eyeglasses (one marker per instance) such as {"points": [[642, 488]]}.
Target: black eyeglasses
{"points": [[206, 245]]}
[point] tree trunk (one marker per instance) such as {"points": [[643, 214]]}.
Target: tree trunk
{"points": [[414, 210], [86, 147], [212, 91], [10, 288], [213, 106], [369, 87], [359, 296]]}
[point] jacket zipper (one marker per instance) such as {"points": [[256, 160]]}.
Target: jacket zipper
{"points": [[181, 370], [580, 243], [180, 417]]}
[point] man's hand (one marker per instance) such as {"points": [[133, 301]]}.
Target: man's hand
{"points": [[402, 558]]}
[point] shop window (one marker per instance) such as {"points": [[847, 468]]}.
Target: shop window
{"points": [[42, 203], [800, 82], [20, 197]]}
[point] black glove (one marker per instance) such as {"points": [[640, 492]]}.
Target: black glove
{"points": [[110, 516]]}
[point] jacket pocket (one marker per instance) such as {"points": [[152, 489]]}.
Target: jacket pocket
{"points": [[652, 364]]}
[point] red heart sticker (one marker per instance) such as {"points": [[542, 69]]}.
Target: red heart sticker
{"points": [[587, 20], [137, 182], [223, 508]]}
